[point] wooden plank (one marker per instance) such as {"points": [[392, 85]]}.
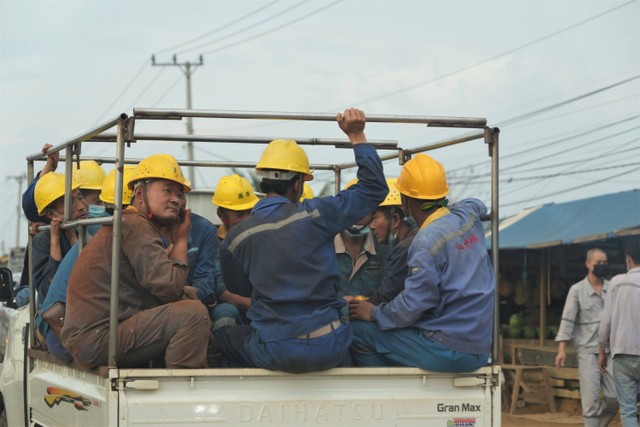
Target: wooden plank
{"points": [[570, 394], [556, 382], [563, 373], [548, 391], [534, 376]]}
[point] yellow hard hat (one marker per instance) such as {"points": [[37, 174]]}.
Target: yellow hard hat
{"points": [[393, 198], [285, 155], [89, 175], [108, 193], [234, 192], [307, 192], [160, 166], [423, 178], [49, 188]]}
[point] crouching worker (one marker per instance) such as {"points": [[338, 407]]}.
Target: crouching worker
{"points": [[284, 252], [442, 319], [157, 313]]}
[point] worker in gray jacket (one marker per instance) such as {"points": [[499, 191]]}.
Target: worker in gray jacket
{"points": [[580, 322]]}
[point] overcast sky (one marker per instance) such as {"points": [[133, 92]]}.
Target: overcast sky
{"points": [[67, 65]]}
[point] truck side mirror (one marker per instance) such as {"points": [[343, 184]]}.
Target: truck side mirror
{"points": [[6, 285]]}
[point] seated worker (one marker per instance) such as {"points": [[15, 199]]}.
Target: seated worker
{"points": [[361, 260], [108, 189], [158, 314], [235, 198], [90, 176], [442, 320], [28, 197], [284, 252], [50, 336], [31, 212], [389, 227], [50, 246]]}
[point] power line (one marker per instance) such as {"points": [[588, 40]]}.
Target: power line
{"points": [[273, 30], [554, 175], [146, 88], [235, 21], [166, 92], [528, 178], [556, 165], [580, 110], [122, 92], [560, 104], [244, 29], [566, 190], [519, 189], [582, 145], [493, 58], [555, 142]]}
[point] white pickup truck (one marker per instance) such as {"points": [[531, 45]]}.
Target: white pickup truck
{"points": [[36, 389]]}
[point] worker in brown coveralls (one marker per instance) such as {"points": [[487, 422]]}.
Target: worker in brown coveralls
{"points": [[157, 313]]}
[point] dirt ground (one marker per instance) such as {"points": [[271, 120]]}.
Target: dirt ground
{"points": [[524, 418]]}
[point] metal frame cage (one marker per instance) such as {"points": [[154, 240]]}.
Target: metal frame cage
{"points": [[125, 135]]}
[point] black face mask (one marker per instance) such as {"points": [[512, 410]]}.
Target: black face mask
{"points": [[600, 270]]}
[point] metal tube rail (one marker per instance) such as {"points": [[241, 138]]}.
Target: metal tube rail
{"points": [[80, 222], [178, 114], [334, 142], [410, 151], [32, 288], [202, 163], [68, 171], [115, 247], [492, 134], [83, 137], [444, 143]]}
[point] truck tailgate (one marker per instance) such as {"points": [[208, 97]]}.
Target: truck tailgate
{"points": [[339, 397]]}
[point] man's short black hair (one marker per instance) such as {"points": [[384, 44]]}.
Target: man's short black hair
{"points": [[276, 186], [390, 211], [633, 250]]}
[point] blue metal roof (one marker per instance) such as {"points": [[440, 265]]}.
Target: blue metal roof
{"points": [[583, 220]]}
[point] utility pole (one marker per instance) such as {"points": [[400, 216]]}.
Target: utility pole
{"points": [[188, 68], [19, 179]]}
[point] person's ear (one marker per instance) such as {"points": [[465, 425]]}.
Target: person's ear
{"points": [[395, 221], [223, 217]]}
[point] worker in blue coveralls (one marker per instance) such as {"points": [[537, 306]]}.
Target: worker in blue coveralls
{"points": [[235, 198], [442, 320], [284, 250]]}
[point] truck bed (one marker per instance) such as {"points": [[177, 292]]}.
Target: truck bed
{"points": [[385, 396]]}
